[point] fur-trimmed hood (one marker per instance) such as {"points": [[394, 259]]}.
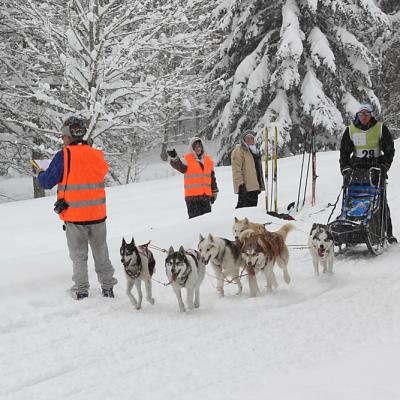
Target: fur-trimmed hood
{"points": [[191, 142]]}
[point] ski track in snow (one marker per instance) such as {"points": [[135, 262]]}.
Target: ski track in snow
{"points": [[291, 343]]}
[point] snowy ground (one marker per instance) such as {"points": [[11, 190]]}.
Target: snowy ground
{"points": [[332, 337]]}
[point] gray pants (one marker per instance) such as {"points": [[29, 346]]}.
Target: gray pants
{"points": [[78, 239]]}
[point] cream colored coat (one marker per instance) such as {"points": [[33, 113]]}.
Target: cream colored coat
{"points": [[244, 170]]}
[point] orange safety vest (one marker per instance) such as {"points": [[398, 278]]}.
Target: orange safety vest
{"points": [[82, 187], [197, 181]]}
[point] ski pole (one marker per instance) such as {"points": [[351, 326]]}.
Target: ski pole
{"points": [[266, 169], [308, 170], [276, 169], [301, 172]]}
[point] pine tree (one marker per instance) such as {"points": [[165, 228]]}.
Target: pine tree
{"points": [[293, 64]]}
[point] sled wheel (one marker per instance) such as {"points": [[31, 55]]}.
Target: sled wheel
{"points": [[374, 246]]}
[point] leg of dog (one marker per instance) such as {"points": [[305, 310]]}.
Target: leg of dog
{"points": [[282, 264], [189, 297], [323, 263], [177, 290], [270, 276], [129, 286], [316, 264], [253, 284], [240, 286], [330, 265], [138, 284], [149, 296], [197, 297], [220, 281]]}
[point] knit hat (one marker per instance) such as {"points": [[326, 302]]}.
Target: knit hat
{"points": [[248, 132], [365, 106], [74, 127]]}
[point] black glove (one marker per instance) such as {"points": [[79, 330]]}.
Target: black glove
{"points": [[172, 153], [346, 172], [242, 189]]}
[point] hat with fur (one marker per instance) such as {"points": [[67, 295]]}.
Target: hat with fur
{"points": [[193, 141], [74, 127]]}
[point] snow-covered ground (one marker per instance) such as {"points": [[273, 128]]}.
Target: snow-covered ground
{"points": [[332, 337]]}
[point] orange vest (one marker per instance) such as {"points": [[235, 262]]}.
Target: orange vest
{"points": [[197, 181], [83, 186]]}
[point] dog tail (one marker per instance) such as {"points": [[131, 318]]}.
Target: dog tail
{"points": [[246, 234], [285, 229]]}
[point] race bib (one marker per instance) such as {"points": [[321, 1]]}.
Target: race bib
{"points": [[360, 139]]}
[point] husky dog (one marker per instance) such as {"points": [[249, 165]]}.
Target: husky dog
{"points": [[261, 251], [185, 269], [139, 265], [225, 258], [241, 225], [321, 245]]}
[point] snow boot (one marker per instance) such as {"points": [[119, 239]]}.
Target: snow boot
{"points": [[391, 240], [107, 292], [81, 295]]}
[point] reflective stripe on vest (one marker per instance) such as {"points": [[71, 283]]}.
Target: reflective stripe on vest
{"points": [[83, 187], [366, 143], [197, 181]]}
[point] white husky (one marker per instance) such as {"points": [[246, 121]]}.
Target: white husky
{"points": [[225, 258], [185, 269], [321, 247]]}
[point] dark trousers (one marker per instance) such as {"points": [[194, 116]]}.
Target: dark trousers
{"points": [[198, 207], [248, 199]]}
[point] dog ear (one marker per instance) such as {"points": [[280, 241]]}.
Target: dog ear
{"points": [[210, 237], [182, 250], [246, 220], [123, 242], [133, 241], [171, 251], [201, 238], [236, 220]]}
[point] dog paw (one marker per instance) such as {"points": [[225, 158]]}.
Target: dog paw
{"points": [[196, 305], [138, 306], [151, 301]]}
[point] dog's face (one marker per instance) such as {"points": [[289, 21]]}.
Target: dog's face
{"points": [[207, 248], [252, 253], [129, 253], [321, 239], [239, 225], [175, 264]]}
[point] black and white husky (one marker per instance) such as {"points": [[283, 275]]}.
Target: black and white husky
{"points": [[225, 258], [185, 269], [321, 246], [139, 265]]}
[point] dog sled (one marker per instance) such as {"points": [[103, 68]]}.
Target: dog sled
{"points": [[363, 215]]}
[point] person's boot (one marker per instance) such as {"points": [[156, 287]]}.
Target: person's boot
{"points": [[107, 292], [81, 295], [391, 239]]}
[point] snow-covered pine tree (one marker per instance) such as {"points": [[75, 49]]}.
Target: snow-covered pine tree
{"points": [[291, 64], [388, 75]]}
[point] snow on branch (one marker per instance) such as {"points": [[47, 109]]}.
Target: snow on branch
{"points": [[320, 49]]}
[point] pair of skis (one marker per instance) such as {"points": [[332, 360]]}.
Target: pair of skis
{"points": [[312, 156], [274, 183]]}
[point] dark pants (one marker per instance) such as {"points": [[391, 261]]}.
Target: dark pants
{"points": [[198, 207], [248, 199]]}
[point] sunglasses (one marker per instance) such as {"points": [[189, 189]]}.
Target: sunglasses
{"points": [[364, 114]]}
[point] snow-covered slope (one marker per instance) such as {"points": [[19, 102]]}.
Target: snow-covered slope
{"points": [[332, 337]]}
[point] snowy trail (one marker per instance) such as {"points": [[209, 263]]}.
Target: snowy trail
{"points": [[309, 340]]}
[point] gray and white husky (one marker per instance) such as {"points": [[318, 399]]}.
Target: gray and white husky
{"points": [[139, 265], [321, 246], [225, 258], [185, 269]]}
